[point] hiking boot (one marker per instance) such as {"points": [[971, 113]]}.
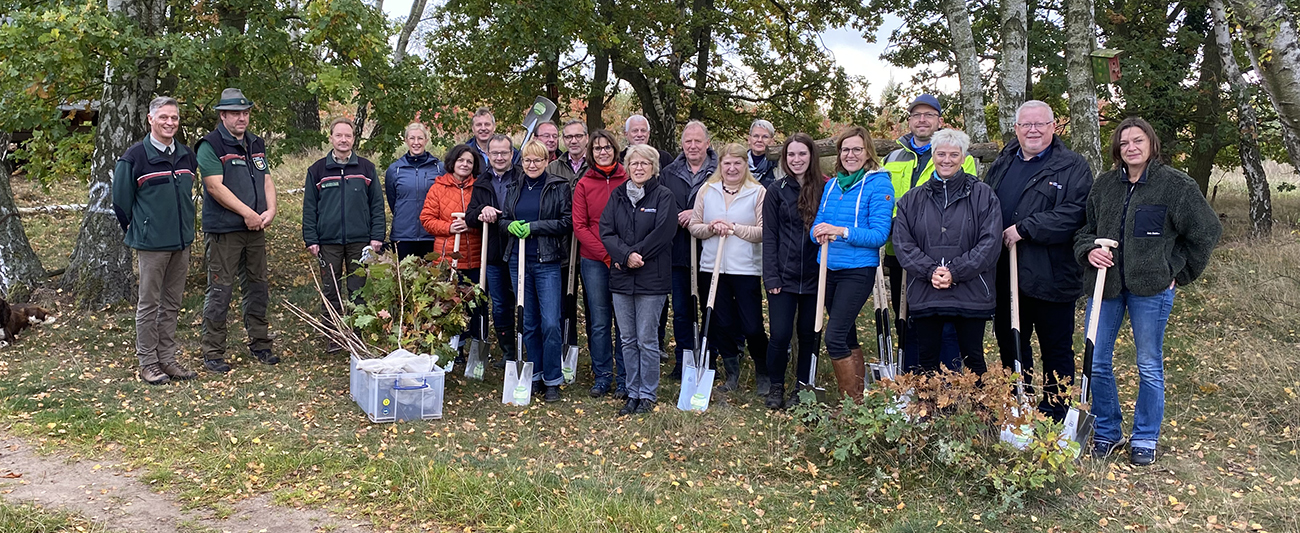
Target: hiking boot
{"points": [[776, 397], [175, 371], [1142, 456], [216, 365], [628, 407], [266, 357], [599, 389], [620, 392], [1102, 449], [644, 405], [552, 393], [762, 384], [153, 374], [732, 366]]}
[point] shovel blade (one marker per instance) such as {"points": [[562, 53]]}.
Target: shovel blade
{"points": [[1087, 423], [703, 391], [690, 383], [475, 363], [818, 392], [688, 362], [511, 381], [569, 364]]}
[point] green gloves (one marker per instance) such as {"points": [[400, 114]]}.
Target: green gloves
{"points": [[519, 229]]}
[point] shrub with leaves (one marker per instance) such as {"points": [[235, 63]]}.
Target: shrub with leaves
{"points": [[412, 304], [943, 430]]}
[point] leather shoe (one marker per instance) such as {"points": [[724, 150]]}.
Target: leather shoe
{"points": [[175, 371], [599, 389], [153, 374], [552, 393], [266, 357], [644, 405], [216, 365], [628, 407]]}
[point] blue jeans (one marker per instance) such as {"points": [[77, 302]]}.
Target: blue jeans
{"points": [[543, 335], [1148, 316], [600, 321], [684, 314], [638, 317], [501, 290]]}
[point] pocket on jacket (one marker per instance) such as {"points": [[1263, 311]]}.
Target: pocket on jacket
{"points": [[1149, 221]]}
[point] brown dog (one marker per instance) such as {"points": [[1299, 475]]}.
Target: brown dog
{"points": [[23, 316]]}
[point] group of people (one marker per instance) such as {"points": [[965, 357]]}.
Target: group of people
{"points": [[639, 224]]}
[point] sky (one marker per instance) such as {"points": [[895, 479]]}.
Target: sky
{"points": [[850, 50]]}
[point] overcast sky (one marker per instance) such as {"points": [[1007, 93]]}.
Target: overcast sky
{"points": [[855, 54]]}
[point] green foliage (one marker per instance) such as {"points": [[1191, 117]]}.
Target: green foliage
{"points": [[56, 152], [412, 305], [943, 431]]}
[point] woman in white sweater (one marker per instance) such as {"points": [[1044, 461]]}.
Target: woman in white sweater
{"points": [[731, 204]]}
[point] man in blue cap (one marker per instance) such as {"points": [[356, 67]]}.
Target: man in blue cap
{"points": [[908, 166]]}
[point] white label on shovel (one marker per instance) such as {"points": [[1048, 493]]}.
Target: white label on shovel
{"points": [[521, 394], [698, 402]]}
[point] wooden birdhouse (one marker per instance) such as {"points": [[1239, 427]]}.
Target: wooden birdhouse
{"points": [[1105, 65]]}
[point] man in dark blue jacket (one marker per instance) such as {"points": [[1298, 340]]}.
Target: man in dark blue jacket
{"points": [[1042, 187], [683, 177], [152, 199]]}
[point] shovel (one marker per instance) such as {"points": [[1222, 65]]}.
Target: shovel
{"points": [[688, 355], [811, 384], [541, 111], [569, 360], [1018, 438], [697, 385], [518, 388], [1079, 425], [476, 363], [887, 368]]}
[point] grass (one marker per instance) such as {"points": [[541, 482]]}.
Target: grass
{"points": [[1229, 450], [26, 518]]}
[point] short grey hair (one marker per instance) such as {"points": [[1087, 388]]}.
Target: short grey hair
{"points": [[696, 124], [497, 137], [1034, 104], [760, 123], [484, 111], [643, 151], [951, 137], [627, 125], [161, 102], [579, 122]]}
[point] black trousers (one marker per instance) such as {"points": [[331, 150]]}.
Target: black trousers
{"points": [[786, 312], [416, 248], [737, 308], [1054, 324], [847, 291], [970, 340], [949, 354]]}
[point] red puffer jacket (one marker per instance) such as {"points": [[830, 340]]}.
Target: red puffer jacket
{"points": [[445, 197]]}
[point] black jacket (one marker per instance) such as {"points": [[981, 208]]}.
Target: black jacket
{"points": [[553, 229], [1051, 210], [955, 224], [342, 203], [647, 229], [243, 172], [789, 256], [484, 195], [677, 176]]}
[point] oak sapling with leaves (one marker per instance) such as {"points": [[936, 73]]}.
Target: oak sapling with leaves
{"points": [[420, 310]]}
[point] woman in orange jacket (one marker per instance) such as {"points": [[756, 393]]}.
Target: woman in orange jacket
{"points": [[443, 216]]}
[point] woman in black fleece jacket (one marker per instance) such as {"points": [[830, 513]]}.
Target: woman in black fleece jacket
{"points": [[1166, 233]]}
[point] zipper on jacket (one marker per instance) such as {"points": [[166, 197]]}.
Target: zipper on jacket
{"points": [[343, 204], [176, 187], [1123, 232]]}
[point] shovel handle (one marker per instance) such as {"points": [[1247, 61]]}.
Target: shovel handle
{"points": [[573, 265], [1095, 313], [519, 294], [455, 248], [482, 268], [821, 288], [695, 264], [717, 271], [1015, 290]]}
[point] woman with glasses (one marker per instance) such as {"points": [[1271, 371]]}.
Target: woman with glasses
{"points": [[604, 175], [731, 204], [637, 227], [406, 183], [854, 218], [538, 210]]}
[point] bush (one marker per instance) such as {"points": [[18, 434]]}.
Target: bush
{"points": [[943, 431], [421, 313]]}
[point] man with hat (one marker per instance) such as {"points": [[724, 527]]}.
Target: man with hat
{"points": [[238, 205], [909, 165], [152, 199]]}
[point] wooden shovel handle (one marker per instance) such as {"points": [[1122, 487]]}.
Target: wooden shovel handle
{"points": [[821, 288], [1015, 288], [1095, 313], [482, 265], [717, 271]]}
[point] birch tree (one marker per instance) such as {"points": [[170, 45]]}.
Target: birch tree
{"points": [[1270, 31], [966, 59], [1290, 138], [1261, 206], [20, 268], [1085, 130], [1013, 69]]}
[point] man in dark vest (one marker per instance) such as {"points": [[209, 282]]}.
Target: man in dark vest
{"points": [[238, 205], [152, 199]]}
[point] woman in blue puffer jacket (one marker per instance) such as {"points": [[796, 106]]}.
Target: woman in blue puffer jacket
{"points": [[855, 214], [406, 184]]}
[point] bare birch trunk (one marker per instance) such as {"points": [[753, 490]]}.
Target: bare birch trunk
{"points": [[20, 268], [966, 57], [1012, 69], [1289, 136], [1085, 130], [1261, 206], [1270, 30]]}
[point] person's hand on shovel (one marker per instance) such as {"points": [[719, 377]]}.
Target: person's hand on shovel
{"points": [[825, 233], [720, 227], [1101, 258], [458, 226]]}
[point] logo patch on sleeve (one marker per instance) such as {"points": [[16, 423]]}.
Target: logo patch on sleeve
{"points": [[259, 162]]}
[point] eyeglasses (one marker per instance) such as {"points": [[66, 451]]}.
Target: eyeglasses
{"points": [[930, 116], [639, 163], [1036, 125], [533, 161], [602, 148], [499, 154], [577, 137], [856, 150]]}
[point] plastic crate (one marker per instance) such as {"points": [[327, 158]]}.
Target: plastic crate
{"points": [[401, 396]]}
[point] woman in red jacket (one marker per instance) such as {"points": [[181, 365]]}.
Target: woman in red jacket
{"points": [[590, 195], [450, 194]]}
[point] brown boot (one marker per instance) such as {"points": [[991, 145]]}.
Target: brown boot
{"points": [[153, 374], [847, 377], [175, 371], [859, 366]]}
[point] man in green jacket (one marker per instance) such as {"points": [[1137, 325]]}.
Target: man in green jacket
{"points": [[342, 213], [153, 203], [909, 165]]}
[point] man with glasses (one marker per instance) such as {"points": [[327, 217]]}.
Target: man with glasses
{"points": [[572, 164], [549, 134], [637, 131], [484, 208], [1043, 188], [911, 164]]}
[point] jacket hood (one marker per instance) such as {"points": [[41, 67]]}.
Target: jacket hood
{"points": [[432, 160]]}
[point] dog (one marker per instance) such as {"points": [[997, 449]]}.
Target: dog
{"points": [[22, 316]]}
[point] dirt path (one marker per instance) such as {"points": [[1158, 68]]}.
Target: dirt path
{"points": [[109, 495]]}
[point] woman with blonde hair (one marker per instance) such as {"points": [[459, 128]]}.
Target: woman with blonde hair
{"points": [[406, 184], [731, 204]]}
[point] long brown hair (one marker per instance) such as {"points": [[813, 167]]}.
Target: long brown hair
{"points": [[810, 195], [868, 148], [1139, 123]]}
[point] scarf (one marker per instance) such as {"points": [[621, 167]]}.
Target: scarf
{"points": [[918, 149], [609, 170], [417, 160], [847, 180], [635, 192]]}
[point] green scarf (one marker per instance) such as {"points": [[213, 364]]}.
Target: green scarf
{"points": [[847, 180]]}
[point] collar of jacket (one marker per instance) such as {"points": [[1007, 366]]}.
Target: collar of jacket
{"points": [[449, 180], [650, 185], [230, 140], [960, 184], [710, 162], [330, 162], [156, 156], [746, 189], [406, 161], [1152, 165], [1012, 149], [596, 173], [548, 179]]}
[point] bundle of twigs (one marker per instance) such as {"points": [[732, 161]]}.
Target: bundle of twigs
{"points": [[333, 327]]}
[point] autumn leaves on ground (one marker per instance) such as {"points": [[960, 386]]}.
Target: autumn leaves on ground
{"points": [[1229, 449]]}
